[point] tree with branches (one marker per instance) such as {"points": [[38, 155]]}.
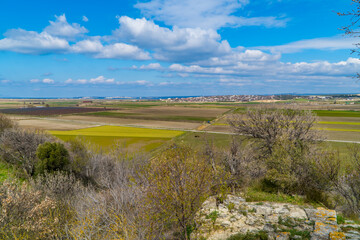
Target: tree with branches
{"points": [[353, 29]]}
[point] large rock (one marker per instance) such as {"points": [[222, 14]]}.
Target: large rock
{"points": [[221, 220]]}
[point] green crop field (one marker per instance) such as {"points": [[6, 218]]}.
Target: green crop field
{"points": [[133, 138], [331, 113], [339, 123], [150, 117], [117, 131]]}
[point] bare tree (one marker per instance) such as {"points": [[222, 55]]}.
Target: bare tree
{"points": [[353, 28], [5, 123], [270, 125], [243, 163], [112, 206]]}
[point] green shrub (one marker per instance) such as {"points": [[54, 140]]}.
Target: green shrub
{"points": [[51, 157], [340, 219], [79, 155], [213, 216], [250, 236], [231, 206]]}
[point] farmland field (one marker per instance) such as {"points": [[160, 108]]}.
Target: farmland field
{"points": [[131, 122], [51, 124], [336, 121], [151, 117], [333, 113], [165, 113], [106, 136]]}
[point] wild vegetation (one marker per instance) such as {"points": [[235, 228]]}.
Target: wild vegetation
{"points": [[70, 190]]}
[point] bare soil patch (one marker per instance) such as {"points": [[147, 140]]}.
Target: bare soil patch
{"points": [[45, 124]]}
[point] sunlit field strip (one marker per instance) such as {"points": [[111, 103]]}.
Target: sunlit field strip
{"points": [[340, 123], [339, 129], [335, 113], [117, 131], [220, 124]]}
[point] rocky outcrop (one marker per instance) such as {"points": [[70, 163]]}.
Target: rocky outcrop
{"points": [[216, 221]]}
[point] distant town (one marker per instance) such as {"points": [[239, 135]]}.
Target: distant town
{"points": [[262, 98]]}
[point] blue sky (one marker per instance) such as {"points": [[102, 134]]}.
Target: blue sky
{"points": [[174, 48]]}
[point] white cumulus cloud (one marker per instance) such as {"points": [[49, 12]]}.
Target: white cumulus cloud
{"points": [[30, 42], [61, 28], [101, 79], [78, 81], [115, 51], [176, 44], [48, 81]]}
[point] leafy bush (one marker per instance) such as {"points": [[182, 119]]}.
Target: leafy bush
{"points": [[79, 156], [52, 157], [286, 142], [179, 182], [295, 170], [347, 185]]}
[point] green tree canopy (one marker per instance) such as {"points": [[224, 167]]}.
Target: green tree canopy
{"points": [[52, 157]]}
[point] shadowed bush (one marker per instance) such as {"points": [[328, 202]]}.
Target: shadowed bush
{"points": [[51, 157]]}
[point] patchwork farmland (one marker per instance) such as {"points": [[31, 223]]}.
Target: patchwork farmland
{"points": [[104, 122]]}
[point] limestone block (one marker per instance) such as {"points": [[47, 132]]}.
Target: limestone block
{"points": [[297, 213], [323, 214], [323, 230]]}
